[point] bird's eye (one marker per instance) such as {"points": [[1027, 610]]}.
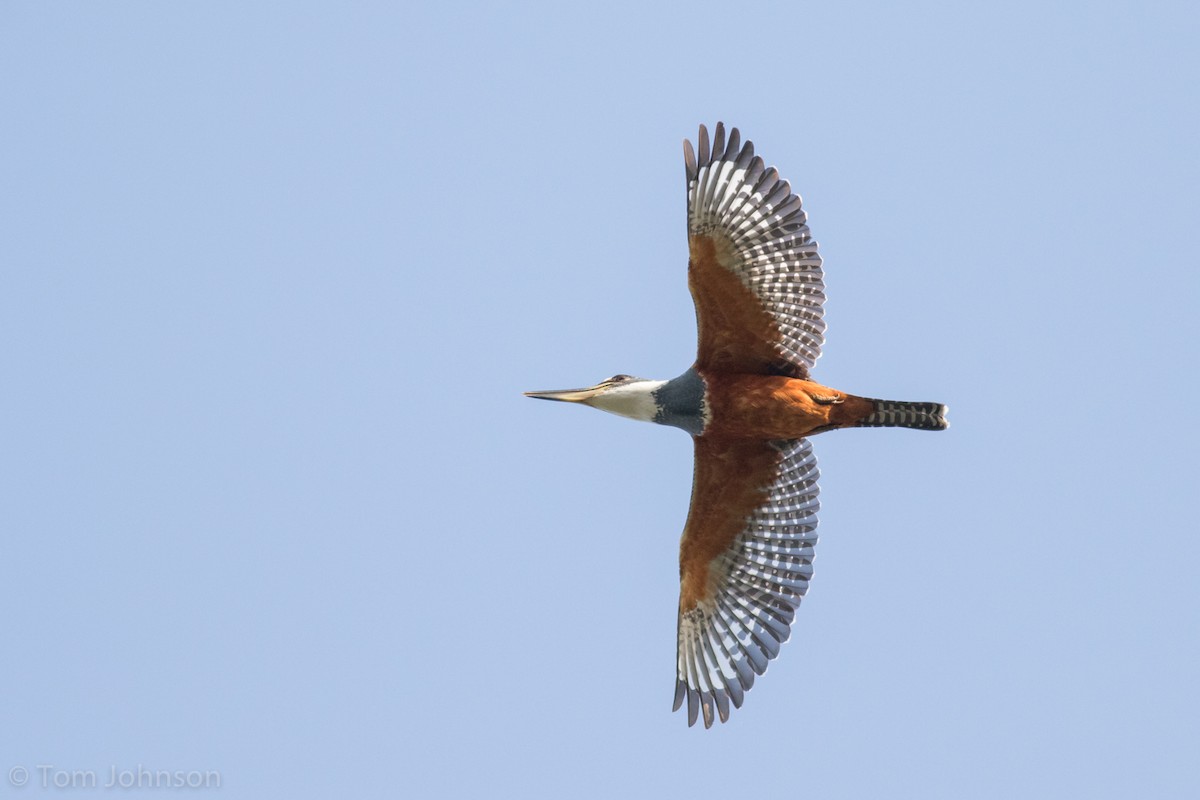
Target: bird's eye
{"points": [[618, 378]]}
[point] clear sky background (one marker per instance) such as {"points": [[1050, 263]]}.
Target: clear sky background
{"points": [[274, 276]]}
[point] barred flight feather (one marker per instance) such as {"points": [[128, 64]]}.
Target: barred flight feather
{"points": [[726, 641], [904, 414], [733, 197]]}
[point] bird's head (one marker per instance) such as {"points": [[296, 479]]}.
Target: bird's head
{"points": [[621, 394]]}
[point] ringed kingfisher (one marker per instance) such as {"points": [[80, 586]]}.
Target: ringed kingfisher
{"points": [[750, 404]]}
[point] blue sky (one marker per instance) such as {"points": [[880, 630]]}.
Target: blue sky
{"points": [[275, 276]]}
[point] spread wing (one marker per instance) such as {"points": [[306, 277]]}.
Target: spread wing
{"points": [[744, 564], [753, 267]]}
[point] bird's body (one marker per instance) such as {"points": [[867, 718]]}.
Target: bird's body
{"points": [[749, 404], [775, 407]]}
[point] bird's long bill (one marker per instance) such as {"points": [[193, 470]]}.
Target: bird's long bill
{"points": [[567, 395]]}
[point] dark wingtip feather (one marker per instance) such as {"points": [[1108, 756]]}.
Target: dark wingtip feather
{"points": [[746, 157], [689, 161], [704, 149], [722, 705], [735, 145], [718, 145]]}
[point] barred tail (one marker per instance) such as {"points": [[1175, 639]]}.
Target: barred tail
{"points": [[901, 414]]}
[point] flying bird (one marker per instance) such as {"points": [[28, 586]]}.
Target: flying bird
{"points": [[750, 404]]}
